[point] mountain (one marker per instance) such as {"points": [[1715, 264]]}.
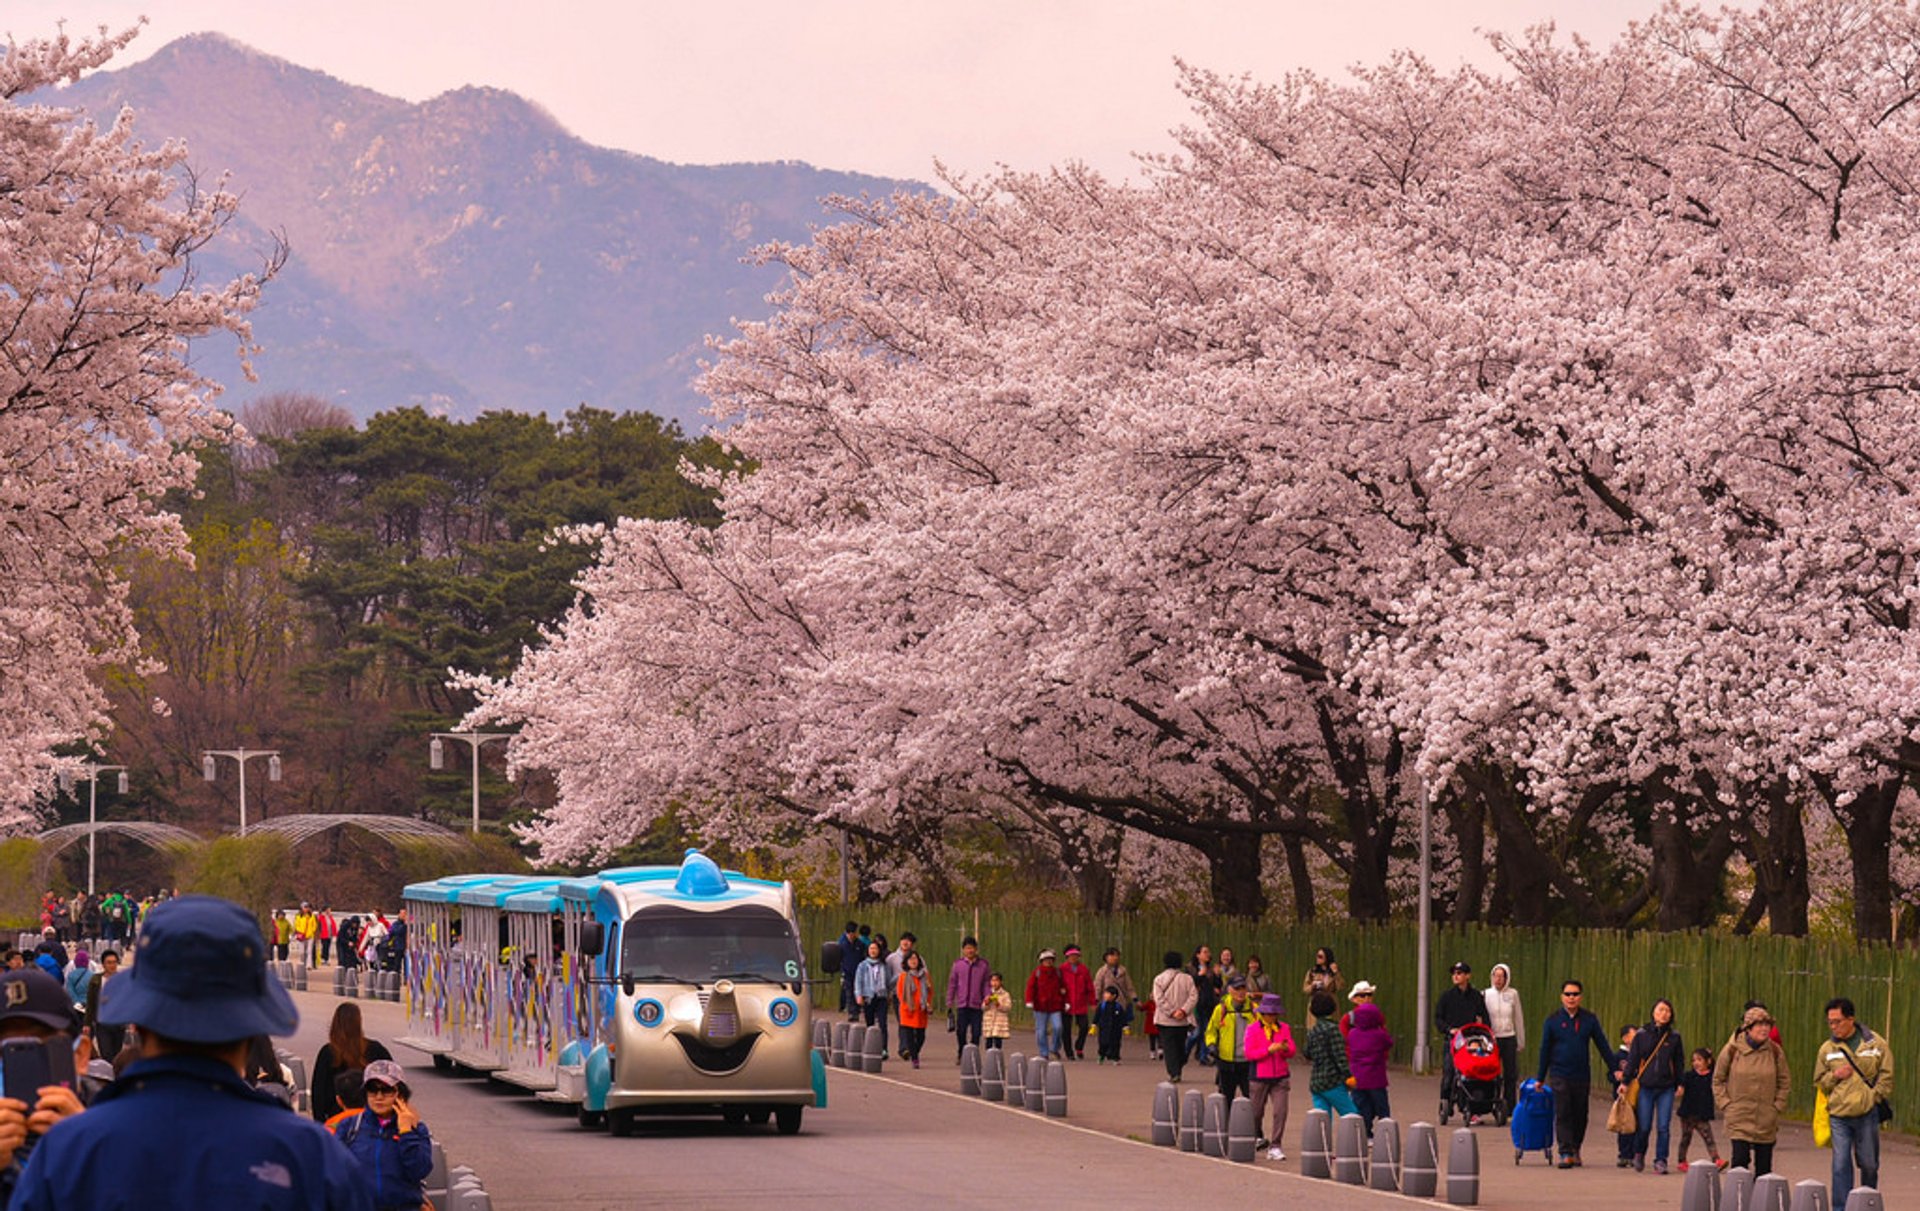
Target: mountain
{"points": [[465, 253]]}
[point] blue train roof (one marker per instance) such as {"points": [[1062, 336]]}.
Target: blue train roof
{"points": [[496, 893], [446, 889], [541, 900]]}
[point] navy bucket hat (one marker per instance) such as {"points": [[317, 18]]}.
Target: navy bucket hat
{"points": [[199, 976]]}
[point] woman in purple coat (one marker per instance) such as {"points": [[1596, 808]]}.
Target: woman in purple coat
{"points": [[1368, 1046]]}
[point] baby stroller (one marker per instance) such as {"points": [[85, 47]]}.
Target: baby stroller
{"points": [[1476, 1079]]}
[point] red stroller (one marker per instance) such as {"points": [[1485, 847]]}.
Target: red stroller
{"points": [[1476, 1080]]}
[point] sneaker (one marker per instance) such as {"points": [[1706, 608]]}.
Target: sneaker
{"points": [[1683, 1166], [1274, 1154], [1259, 1144], [1566, 1162], [1625, 1162], [1659, 1168], [1640, 1163], [1720, 1162], [916, 1061]]}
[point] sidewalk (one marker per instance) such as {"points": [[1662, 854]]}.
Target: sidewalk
{"points": [[1118, 1100]]}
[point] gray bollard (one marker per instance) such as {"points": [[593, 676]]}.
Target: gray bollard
{"points": [[1213, 1125], [1036, 1091], [1316, 1144], [470, 1200], [970, 1070], [1420, 1167], [1016, 1080], [823, 1039], [837, 1040], [393, 985], [1463, 1169], [1737, 1193], [1865, 1198], [1808, 1196], [1701, 1191], [299, 979], [1771, 1192], [1190, 1109], [1350, 1150], [873, 1050], [1383, 1170], [993, 1075], [1240, 1131], [1056, 1090], [1166, 1114], [339, 981]]}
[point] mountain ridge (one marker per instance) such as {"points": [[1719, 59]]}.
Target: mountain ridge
{"points": [[466, 252]]}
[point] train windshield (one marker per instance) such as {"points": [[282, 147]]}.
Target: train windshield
{"points": [[747, 944]]}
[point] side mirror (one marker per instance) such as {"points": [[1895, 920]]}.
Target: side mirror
{"points": [[830, 958], [593, 938], [626, 983]]}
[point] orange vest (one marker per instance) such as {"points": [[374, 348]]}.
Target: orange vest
{"points": [[915, 999]]}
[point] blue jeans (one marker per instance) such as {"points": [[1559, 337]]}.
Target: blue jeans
{"points": [[1335, 1101], [1654, 1104], [1856, 1140], [1046, 1032], [1371, 1104]]}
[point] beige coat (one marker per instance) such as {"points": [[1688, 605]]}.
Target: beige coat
{"points": [[1871, 1080], [1750, 1087]]}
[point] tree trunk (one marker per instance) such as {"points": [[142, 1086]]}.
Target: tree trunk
{"points": [[1687, 869], [1300, 875], [1466, 819], [1778, 855], [1233, 874], [1868, 821]]}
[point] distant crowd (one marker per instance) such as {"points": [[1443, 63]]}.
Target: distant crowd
{"points": [[1230, 1016], [315, 939]]}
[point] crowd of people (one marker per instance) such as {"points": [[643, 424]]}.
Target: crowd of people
{"points": [[1214, 1011], [176, 1096], [316, 939]]}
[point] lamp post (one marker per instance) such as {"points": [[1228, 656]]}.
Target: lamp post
{"points": [[437, 758], [1422, 981], [241, 756], [92, 775]]}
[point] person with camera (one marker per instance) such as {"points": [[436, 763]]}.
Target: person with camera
{"points": [[181, 1128], [35, 1017], [388, 1139]]}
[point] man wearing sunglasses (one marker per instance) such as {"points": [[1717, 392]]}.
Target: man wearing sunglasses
{"points": [[1567, 1071]]}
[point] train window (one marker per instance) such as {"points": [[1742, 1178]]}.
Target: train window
{"points": [[700, 947]]}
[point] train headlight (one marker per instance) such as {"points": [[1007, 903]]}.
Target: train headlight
{"points": [[784, 1012], [686, 1008], [648, 1012]]}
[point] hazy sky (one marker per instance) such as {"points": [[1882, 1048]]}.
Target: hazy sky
{"points": [[875, 87]]}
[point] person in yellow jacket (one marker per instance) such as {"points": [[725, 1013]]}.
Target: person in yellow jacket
{"points": [[1226, 1039], [1855, 1071], [306, 927]]}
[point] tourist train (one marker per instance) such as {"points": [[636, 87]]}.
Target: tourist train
{"points": [[637, 990]]}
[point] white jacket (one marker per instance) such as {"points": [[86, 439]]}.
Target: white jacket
{"points": [[1503, 1011]]}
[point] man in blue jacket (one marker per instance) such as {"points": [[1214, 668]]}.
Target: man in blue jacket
{"points": [[1566, 1070], [180, 1128]]}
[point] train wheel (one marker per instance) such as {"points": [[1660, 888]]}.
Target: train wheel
{"points": [[788, 1119], [592, 1120], [759, 1116], [443, 1063], [620, 1121], [735, 1116]]}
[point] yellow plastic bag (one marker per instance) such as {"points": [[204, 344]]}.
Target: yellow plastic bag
{"points": [[1822, 1124]]}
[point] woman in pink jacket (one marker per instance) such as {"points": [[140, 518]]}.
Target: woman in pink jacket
{"points": [[1267, 1046]]}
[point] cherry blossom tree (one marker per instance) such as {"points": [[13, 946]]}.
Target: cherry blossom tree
{"points": [[100, 410]]}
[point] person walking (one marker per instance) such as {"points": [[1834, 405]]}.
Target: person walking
{"points": [[1855, 1070], [282, 934], [870, 991], [181, 1128], [1509, 1024], [1327, 1052], [1079, 1003], [1696, 1108], [1369, 1046], [1656, 1060], [1269, 1045], [997, 1014], [1565, 1068], [326, 929], [1460, 1005], [853, 952], [1113, 974], [346, 1052], [1110, 1020], [1208, 988], [913, 994], [1174, 1001], [1751, 1081], [1226, 1035], [1323, 976], [1259, 983], [897, 963], [388, 1139], [967, 982], [1046, 996]]}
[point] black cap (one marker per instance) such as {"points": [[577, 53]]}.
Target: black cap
{"points": [[32, 994], [1459, 967]]}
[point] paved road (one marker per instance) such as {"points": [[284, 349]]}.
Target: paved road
{"points": [[907, 1139]]}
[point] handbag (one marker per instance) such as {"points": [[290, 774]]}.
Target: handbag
{"points": [[950, 1026], [1822, 1122], [1621, 1119]]}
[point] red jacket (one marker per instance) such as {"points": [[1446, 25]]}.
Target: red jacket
{"points": [[1079, 980], [1046, 991]]}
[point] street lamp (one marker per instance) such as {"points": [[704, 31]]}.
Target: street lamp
{"points": [[1422, 989], [92, 775], [241, 756], [437, 758]]}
